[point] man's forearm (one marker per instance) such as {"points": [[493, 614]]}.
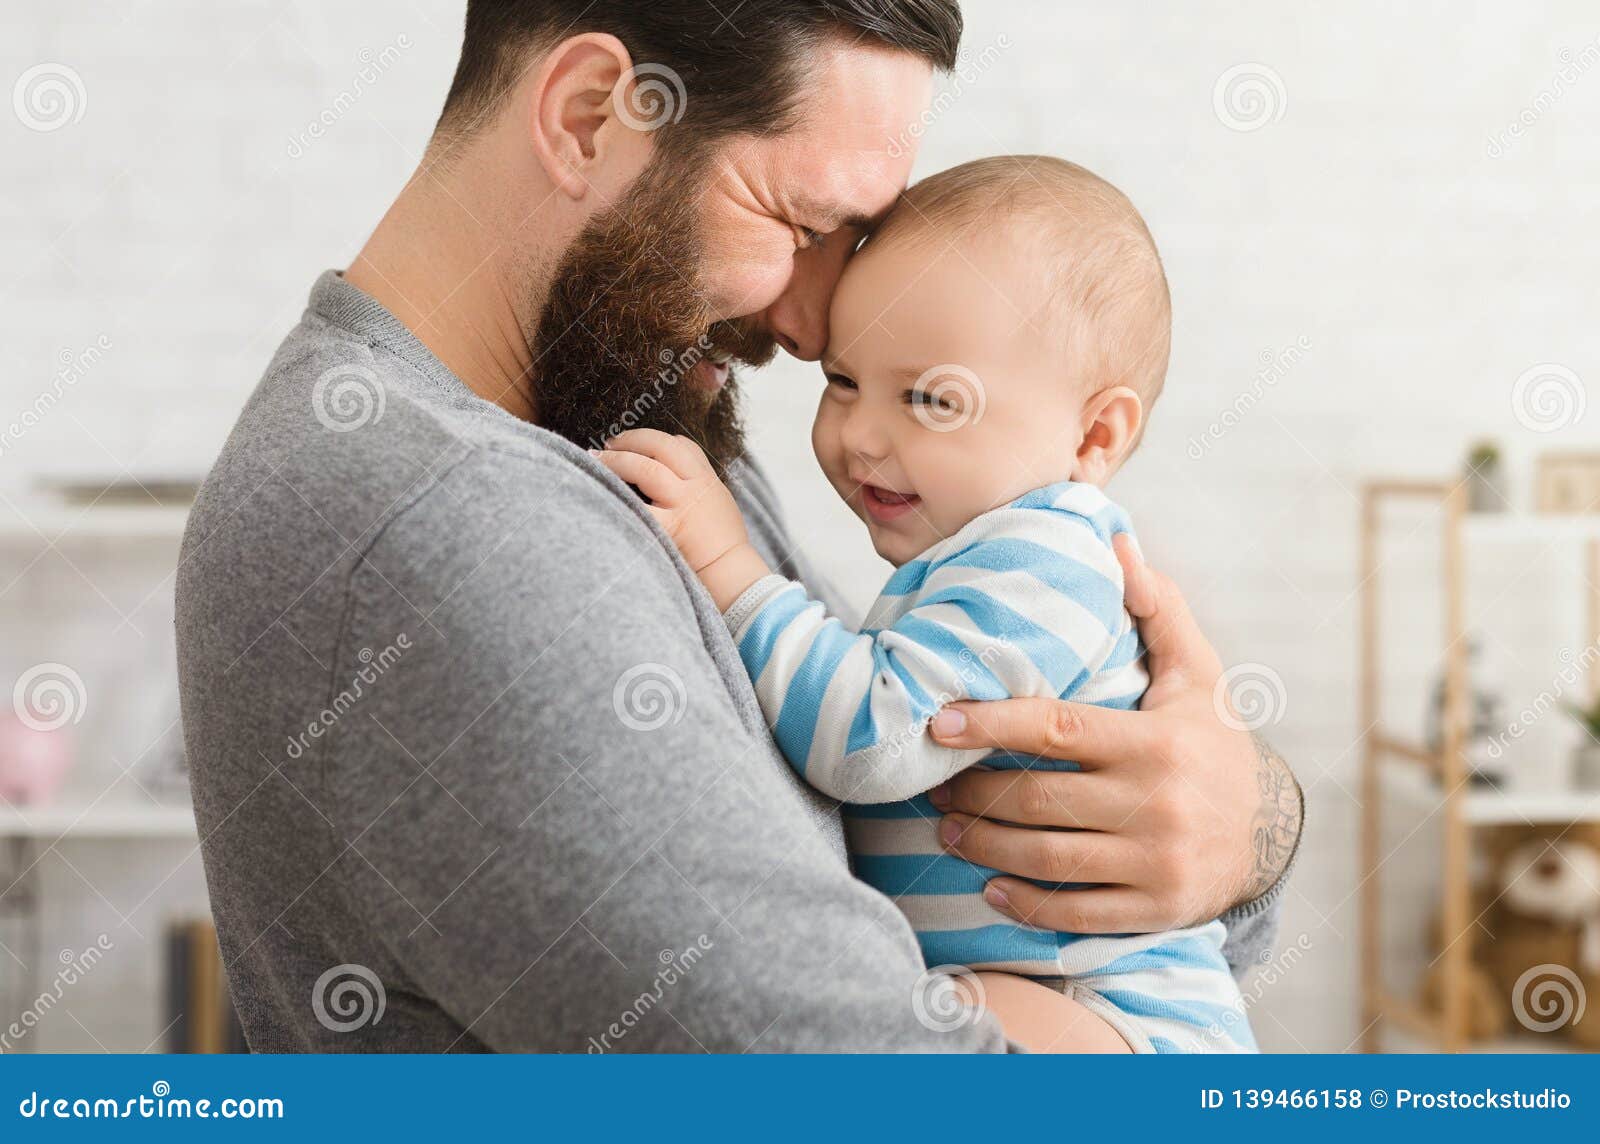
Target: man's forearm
{"points": [[1275, 831], [1275, 838]]}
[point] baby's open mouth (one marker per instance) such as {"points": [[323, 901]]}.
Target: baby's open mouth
{"points": [[885, 504]]}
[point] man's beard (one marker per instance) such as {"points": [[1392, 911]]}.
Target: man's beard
{"points": [[624, 324]]}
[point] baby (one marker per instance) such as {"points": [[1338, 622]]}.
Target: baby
{"points": [[995, 347]]}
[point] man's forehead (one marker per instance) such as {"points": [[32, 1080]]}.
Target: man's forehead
{"points": [[845, 158]]}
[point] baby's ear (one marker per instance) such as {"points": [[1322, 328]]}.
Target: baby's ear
{"points": [[1111, 420]]}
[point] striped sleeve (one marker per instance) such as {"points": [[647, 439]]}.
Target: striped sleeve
{"points": [[1030, 604]]}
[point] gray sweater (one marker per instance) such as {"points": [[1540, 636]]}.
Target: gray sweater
{"points": [[476, 765]]}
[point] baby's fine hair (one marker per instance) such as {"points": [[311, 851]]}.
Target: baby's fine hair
{"points": [[1102, 283]]}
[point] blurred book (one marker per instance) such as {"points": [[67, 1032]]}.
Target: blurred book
{"points": [[200, 1015], [166, 490]]}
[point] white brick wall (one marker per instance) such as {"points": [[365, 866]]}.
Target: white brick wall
{"points": [[185, 214]]}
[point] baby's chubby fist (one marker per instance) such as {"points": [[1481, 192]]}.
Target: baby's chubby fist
{"points": [[692, 505]]}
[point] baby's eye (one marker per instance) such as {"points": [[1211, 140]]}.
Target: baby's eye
{"points": [[840, 381], [932, 400]]}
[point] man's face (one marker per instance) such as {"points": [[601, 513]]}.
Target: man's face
{"points": [[713, 257]]}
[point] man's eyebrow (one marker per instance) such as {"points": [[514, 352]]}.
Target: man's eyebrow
{"points": [[832, 218]]}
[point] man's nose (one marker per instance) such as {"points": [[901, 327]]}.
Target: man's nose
{"points": [[799, 317]]}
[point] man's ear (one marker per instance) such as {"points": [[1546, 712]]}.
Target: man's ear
{"points": [[1111, 420], [573, 126]]}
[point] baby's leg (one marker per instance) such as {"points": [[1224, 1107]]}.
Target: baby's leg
{"points": [[1040, 1018]]}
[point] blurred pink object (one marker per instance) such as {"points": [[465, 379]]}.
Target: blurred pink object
{"points": [[32, 763]]}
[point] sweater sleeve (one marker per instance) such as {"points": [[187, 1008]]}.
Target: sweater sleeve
{"points": [[1020, 611]]}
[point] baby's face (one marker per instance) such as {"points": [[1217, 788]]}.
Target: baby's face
{"points": [[943, 399]]}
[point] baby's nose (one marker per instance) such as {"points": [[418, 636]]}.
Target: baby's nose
{"points": [[863, 435]]}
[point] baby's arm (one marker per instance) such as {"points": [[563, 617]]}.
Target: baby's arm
{"points": [[1029, 609], [692, 505], [1027, 605]]}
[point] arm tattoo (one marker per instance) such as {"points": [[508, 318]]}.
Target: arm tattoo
{"points": [[1275, 830]]}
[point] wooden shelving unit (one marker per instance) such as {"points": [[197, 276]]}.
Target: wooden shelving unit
{"points": [[1414, 775], [29, 526]]}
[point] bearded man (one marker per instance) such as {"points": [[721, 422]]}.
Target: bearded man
{"points": [[476, 765]]}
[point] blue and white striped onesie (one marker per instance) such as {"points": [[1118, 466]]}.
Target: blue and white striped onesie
{"points": [[1026, 600]]}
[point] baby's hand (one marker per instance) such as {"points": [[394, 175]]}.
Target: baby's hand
{"points": [[693, 506]]}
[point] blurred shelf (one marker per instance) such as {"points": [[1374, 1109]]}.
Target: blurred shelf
{"points": [[40, 523], [1493, 807], [105, 821], [1525, 526]]}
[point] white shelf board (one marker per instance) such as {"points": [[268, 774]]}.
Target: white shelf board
{"points": [[1525, 526], [1511, 1042], [101, 820], [38, 524], [1492, 807]]}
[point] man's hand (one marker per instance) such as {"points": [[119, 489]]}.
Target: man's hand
{"points": [[1178, 815], [692, 505]]}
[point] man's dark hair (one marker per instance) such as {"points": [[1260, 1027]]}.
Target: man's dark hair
{"points": [[742, 73]]}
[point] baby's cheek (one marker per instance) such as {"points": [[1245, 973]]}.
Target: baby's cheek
{"points": [[825, 435]]}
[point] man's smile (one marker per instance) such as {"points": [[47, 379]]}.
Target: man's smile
{"points": [[710, 373]]}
